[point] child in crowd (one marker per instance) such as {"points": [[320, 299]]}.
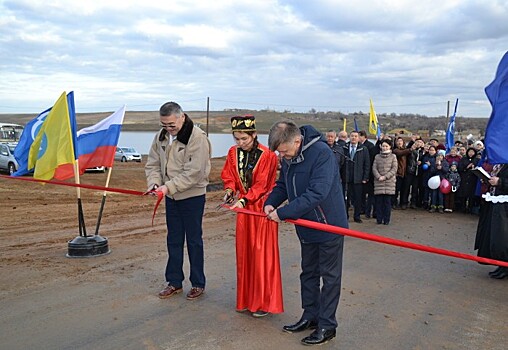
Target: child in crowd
{"points": [[453, 156], [428, 164], [440, 168], [453, 178]]}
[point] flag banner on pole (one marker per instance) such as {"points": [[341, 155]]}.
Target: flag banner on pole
{"points": [[450, 131], [53, 144], [374, 128], [344, 127], [31, 130], [96, 144], [25, 142], [497, 126], [356, 125]]}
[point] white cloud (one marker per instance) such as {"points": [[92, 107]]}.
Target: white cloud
{"points": [[409, 56]]}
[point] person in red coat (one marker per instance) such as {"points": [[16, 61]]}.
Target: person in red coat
{"points": [[249, 175]]}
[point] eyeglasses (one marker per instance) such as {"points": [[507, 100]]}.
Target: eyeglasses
{"points": [[167, 126]]}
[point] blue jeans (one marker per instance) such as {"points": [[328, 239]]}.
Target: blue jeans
{"points": [[437, 198], [184, 222]]}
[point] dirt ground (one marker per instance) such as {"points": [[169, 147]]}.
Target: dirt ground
{"points": [[392, 298]]}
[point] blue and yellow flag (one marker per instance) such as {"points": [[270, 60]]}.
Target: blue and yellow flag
{"points": [[53, 145], [374, 128]]}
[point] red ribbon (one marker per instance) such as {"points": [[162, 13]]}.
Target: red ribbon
{"points": [[300, 222], [379, 239], [160, 195]]}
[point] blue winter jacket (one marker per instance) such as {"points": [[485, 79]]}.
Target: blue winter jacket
{"points": [[311, 184]]}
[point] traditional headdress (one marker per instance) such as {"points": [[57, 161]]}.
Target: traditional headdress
{"points": [[243, 123]]}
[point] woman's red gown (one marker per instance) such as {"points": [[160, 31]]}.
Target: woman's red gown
{"points": [[259, 284]]}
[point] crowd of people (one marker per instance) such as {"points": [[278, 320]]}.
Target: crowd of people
{"points": [[319, 179], [394, 174]]}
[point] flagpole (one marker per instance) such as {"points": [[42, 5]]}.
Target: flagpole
{"points": [[103, 202], [81, 217]]}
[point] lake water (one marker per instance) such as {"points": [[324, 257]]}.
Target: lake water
{"points": [[142, 140]]}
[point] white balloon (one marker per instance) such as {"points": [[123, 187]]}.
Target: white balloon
{"points": [[434, 182]]}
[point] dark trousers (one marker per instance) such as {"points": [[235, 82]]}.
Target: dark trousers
{"points": [[354, 197], [383, 208], [410, 184], [396, 200], [368, 199], [449, 201], [184, 222], [321, 261]]}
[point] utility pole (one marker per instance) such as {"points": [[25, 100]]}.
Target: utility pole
{"points": [[207, 113]]}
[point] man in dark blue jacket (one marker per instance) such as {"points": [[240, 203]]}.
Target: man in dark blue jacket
{"points": [[309, 180]]}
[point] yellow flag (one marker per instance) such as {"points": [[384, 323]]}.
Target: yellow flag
{"points": [[372, 120], [344, 128], [53, 145]]}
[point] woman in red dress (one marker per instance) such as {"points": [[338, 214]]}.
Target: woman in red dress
{"points": [[249, 173]]}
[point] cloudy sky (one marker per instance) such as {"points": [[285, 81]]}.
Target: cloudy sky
{"points": [[409, 56]]}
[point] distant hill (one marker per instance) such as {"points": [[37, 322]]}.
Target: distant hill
{"points": [[219, 121]]}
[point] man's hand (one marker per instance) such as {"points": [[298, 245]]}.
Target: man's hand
{"points": [[150, 190], [271, 213], [163, 189]]}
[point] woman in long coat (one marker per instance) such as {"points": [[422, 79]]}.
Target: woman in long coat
{"points": [[384, 170], [249, 172], [492, 234]]}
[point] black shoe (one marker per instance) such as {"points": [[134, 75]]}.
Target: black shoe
{"points": [[300, 326], [502, 274], [403, 207], [319, 336], [496, 271], [358, 221], [412, 206]]}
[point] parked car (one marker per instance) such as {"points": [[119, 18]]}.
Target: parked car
{"points": [[7, 161], [97, 169], [127, 154]]}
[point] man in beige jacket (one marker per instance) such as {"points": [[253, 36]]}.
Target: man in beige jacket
{"points": [[178, 165]]}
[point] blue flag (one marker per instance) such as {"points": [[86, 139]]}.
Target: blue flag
{"points": [[356, 126], [30, 132], [25, 142], [497, 127], [450, 138]]}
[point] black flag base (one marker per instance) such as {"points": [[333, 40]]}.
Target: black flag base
{"points": [[88, 247]]}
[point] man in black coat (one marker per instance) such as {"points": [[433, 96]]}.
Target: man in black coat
{"points": [[338, 152], [357, 172], [368, 188]]}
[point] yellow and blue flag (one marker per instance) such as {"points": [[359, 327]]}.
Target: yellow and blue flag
{"points": [[374, 128], [53, 146]]}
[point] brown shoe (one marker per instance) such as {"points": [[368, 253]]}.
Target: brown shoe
{"points": [[169, 291], [195, 293]]}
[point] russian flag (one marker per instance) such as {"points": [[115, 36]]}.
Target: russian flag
{"points": [[96, 144]]}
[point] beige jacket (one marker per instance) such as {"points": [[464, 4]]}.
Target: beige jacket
{"points": [[184, 165], [385, 164]]}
